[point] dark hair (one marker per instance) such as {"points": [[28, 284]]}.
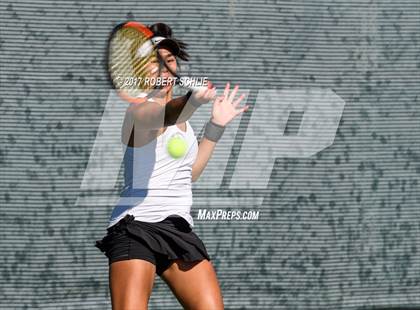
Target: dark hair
{"points": [[163, 30]]}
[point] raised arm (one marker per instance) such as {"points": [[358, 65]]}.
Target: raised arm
{"points": [[153, 115], [224, 111], [147, 118]]}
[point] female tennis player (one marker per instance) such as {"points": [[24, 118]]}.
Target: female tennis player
{"points": [[150, 229]]}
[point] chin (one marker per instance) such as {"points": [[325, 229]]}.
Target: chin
{"points": [[168, 89]]}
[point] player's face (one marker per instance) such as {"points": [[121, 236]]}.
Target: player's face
{"points": [[170, 61]]}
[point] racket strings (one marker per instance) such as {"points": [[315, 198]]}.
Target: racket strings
{"points": [[132, 59], [125, 63], [142, 66]]}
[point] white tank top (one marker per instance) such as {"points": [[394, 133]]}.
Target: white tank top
{"points": [[157, 185]]}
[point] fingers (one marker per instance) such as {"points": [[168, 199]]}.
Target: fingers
{"points": [[213, 91], [205, 92], [231, 96], [219, 99], [226, 91], [212, 96], [243, 109], [209, 94], [233, 93], [237, 101]]}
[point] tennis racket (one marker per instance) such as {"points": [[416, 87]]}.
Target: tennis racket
{"points": [[133, 62]]}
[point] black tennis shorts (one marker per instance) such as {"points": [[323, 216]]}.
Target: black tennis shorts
{"points": [[158, 243]]}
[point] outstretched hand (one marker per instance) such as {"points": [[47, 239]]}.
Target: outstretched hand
{"points": [[225, 109], [204, 94]]}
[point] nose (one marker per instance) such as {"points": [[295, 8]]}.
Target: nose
{"points": [[165, 72]]}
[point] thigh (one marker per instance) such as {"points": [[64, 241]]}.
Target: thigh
{"points": [[195, 284], [131, 282]]}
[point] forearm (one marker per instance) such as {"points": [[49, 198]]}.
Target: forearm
{"points": [[152, 115], [179, 110], [205, 151]]}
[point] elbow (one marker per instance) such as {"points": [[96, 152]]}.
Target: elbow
{"points": [[194, 176]]}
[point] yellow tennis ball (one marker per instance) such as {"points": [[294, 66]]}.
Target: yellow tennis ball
{"points": [[177, 146]]}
